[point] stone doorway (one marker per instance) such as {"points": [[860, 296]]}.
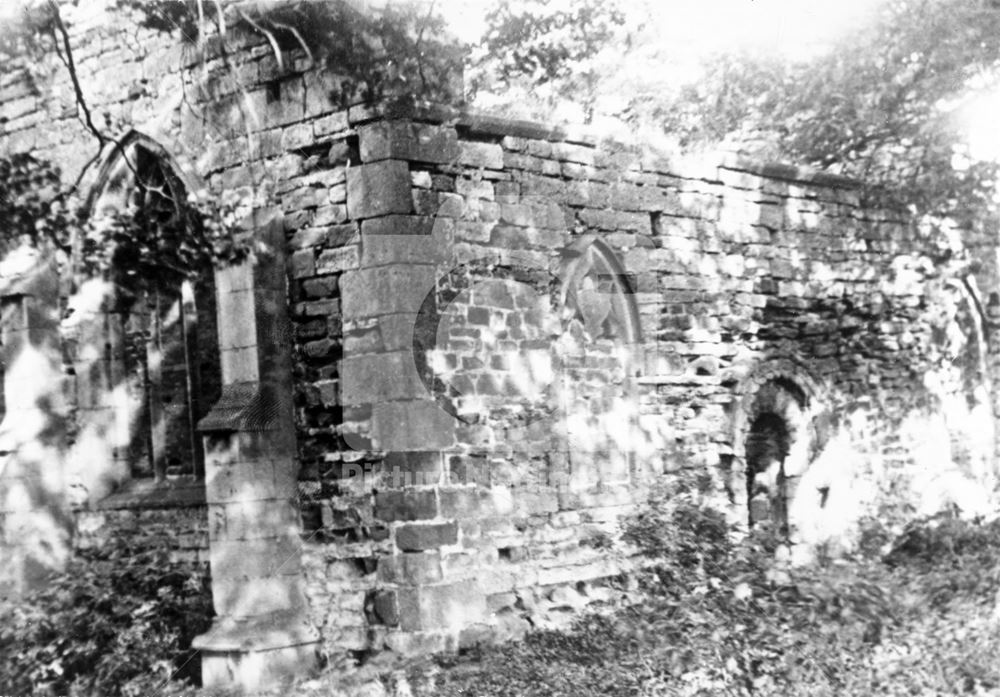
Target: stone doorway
{"points": [[767, 447], [778, 428]]}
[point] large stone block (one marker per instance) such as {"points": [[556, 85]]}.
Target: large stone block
{"points": [[399, 239], [398, 225], [253, 559], [405, 140], [451, 606], [410, 569], [385, 291], [246, 597], [337, 259], [465, 502], [413, 468], [379, 188], [406, 504], [421, 537], [377, 377], [415, 425], [487, 155]]}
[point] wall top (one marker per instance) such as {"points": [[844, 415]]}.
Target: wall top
{"points": [[481, 123]]}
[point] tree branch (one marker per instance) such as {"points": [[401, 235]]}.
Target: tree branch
{"points": [[298, 37], [71, 67], [270, 37]]}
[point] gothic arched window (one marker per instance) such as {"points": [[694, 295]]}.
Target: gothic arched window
{"points": [[160, 321]]}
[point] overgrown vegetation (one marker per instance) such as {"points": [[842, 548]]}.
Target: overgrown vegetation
{"points": [[166, 237], [880, 104], [118, 621], [401, 51], [721, 618]]}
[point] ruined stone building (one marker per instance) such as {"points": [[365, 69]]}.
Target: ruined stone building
{"points": [[462, 350]]}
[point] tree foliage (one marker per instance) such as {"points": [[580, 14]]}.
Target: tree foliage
{"points": [[402, 51], [145, 247], [874, 106], [559, 48]]}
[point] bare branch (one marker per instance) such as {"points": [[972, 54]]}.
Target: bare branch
{"points": [[270, 37], [221, 17], [298, 37], [71, 67]]}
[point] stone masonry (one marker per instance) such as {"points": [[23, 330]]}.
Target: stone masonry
{"points": [[466, 349]]}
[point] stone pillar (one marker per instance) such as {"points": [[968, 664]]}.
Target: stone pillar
{"points": [[383, 373], [35, 518], [400, 256], [260, 636]]}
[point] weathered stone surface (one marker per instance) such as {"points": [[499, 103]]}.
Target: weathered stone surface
{"points": [[412, 425], [383, 291], [406, 504], [338, 259], [451, 606], [303, 263], [410, 569], [386, 608], [379, 188], [426, 242], [405, 140], [378, 377], [398, 225], [422, 537], [409, 468], [488, 155]]}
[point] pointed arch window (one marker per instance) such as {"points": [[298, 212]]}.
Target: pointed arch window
{"points": [[160, 320], [598, 293]]}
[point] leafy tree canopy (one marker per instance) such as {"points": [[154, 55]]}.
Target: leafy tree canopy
{"points": [[878, 105]]}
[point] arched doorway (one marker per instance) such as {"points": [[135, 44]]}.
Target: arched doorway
{"points": [[778, 430], [767, 448]]}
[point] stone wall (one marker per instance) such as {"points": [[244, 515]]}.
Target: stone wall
{"points": [[436, 320], [506, 337], [184, 531]]}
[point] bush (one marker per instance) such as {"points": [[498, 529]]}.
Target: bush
{"points": [[722, 618], [116, 620]]}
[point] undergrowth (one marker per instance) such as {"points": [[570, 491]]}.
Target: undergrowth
{"points": [[716, 617], [117, 622], [914, 615]]}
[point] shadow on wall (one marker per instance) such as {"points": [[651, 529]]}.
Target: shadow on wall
{"points": [[101, 386], [33, 435], [915, 437], [538, 364]]}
